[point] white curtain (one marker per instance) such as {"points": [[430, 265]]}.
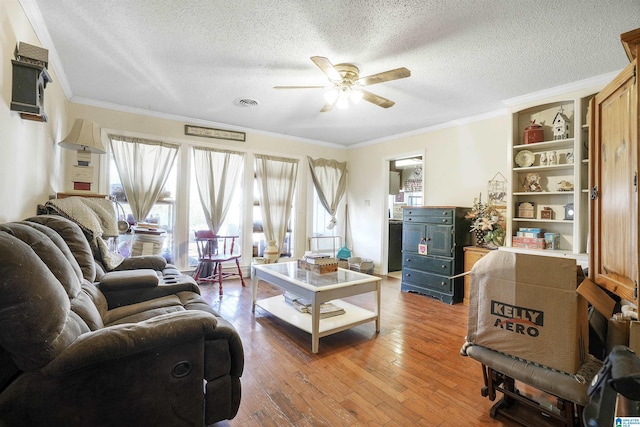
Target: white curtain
{"points": [[276, 178], [217, 172], [143, 166], [330, 180]]}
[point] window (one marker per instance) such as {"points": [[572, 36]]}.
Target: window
{"points": [[162, 214], [178, 208], [232, 224], [259, 241], [276, 181], [321, 218]]}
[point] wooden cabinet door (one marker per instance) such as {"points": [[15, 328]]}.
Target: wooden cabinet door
{"points": [[439, 240], [412, 235], [613, 175]]}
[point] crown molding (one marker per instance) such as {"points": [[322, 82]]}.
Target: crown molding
{"points": [[191, 120], [34, 16], [590, 83]]}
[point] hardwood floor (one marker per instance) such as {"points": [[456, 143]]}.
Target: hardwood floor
{"points": [[409, 373]]}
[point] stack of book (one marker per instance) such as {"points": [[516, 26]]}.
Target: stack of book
{"points": [[319, 263], [148, 239], [530, 238], [303, 305], [148, 228]]}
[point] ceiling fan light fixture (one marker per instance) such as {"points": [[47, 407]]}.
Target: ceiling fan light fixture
{"points": [[356, 95], [343, 101], [346, 84], [331, 95]]}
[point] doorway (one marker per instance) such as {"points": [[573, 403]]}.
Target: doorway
{"points": [[405, 189]]}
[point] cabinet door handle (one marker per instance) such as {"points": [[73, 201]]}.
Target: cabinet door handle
{"points": [[444, 219], [444, 267]]}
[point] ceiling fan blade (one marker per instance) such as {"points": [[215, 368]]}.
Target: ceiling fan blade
{"points": [[377, 99], [327, 67], [398, 73], [327, 108], [298, 87]]}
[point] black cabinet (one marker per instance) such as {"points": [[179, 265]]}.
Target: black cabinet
{"points": [[444, 231], [395, 246]]}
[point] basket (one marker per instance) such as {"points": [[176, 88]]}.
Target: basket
{"points": [[362, 265]]}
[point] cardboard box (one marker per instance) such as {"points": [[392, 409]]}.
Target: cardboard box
{"points": [[528, 242], [597, 297], [527, 306]]}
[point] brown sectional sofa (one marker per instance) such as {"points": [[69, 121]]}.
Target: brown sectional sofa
{"points": [[145, 350]]}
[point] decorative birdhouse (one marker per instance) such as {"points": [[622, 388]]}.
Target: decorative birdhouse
{"points": [[560, 126]]}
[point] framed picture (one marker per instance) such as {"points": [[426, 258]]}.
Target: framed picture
{"points": [[497, 189], [214, 133], [400, 197]]}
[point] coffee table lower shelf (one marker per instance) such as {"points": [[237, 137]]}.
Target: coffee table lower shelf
{"points": [[353, 316]]}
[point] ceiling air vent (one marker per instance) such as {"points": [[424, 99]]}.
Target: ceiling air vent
{"points": [[245, 102]]}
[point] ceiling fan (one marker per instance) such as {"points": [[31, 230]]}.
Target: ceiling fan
{"points": [[346, 84]]}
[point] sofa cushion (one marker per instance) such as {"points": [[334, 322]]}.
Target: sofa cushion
{"points": [[180, 301], [57, 240], [143, 310], [36, 323], [44, 247], [52, 250], [76, 240]]}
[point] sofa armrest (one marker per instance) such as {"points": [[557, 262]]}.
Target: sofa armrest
{"points": [[154, 262], [225, 332], [129, 279], [126, 340]]}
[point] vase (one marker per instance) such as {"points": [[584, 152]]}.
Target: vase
{"points": [[271, 252], [480, 237]]}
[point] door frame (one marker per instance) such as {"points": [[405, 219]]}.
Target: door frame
{"points": [[384, 224]]}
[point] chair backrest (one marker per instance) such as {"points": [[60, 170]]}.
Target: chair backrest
{"points": [[211, 245]]}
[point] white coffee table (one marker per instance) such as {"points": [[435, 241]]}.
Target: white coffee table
{"points": [[317, 288]]}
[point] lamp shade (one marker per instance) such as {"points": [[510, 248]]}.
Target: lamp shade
{"points": [[84, 135]]}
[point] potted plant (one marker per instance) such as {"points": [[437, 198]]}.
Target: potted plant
{"points": [[486, 223]]}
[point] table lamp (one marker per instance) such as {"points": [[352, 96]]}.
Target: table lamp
{"points": [[85, 138]]}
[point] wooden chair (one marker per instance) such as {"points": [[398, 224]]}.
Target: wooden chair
{"points": [[213, 251]]}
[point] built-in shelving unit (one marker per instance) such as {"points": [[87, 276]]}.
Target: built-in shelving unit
{"points": [[562, 184]]}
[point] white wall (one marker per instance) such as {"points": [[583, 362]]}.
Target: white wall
{"points": [[29, 155], [458, 163]]}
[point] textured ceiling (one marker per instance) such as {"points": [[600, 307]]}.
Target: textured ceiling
{"points": [[194, 58]]}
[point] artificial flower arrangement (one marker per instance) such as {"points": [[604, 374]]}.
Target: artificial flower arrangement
{"points": [[486, 222]]}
